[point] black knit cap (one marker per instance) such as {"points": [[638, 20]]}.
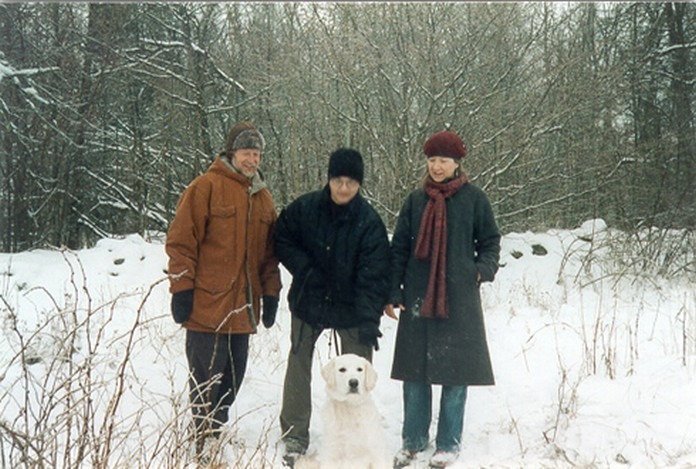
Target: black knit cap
{"points": [[346, 162]]}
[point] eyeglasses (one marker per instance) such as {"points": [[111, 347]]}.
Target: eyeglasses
{"points": [[350, 183]]}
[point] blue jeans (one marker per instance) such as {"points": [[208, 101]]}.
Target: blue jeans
{"points": [[418, 413]]}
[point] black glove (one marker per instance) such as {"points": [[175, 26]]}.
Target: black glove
{"points": [[182, 305], [270, 308], [368, 333]]}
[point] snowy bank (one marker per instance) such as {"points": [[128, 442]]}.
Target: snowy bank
{"points": [[592, 334]]}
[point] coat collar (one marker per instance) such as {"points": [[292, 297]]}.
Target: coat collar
{"points": [[347, 211]]}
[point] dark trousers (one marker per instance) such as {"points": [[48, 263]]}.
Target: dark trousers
{"points": [[296, 410], [217, 363]]}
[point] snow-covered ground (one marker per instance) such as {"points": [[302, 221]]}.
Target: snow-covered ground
{"points": [[593, 347]]}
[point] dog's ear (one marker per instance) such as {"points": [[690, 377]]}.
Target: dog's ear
{"points": [[370, 376], [328, 372]]}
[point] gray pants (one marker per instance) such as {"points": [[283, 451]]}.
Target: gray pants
{"points": [[296, 410]]}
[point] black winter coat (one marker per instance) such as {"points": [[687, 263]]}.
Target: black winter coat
{"points": [[449, 351], [338, 257]]}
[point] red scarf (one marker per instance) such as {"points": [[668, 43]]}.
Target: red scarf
{"points": [[431, 245]]}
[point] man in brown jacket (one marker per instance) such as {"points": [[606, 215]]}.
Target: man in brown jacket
{"points": [[221, 262]]}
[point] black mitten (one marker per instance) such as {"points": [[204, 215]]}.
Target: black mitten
{"points": [[368, 333], [182, 305], [270, 308]]}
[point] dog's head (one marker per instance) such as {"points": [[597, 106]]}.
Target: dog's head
{"points": [[349, 377]]}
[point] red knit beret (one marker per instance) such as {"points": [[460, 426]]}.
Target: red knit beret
{"points": [[445, 143]]}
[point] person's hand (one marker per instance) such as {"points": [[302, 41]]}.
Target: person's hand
{"points": [[389, 310], [182, 305], [270, 309], [368, 333]]}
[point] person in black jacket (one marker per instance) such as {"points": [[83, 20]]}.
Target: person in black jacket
{"points": [[335, 245]]}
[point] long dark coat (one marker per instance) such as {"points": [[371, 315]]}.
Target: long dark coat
{"points": [[449, 351], [338, 258]]}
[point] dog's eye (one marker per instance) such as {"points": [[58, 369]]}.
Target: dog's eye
{"points": [[342, 369], [360, 370]]}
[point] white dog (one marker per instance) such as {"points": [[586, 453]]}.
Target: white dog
{"points": [[353, 436]]}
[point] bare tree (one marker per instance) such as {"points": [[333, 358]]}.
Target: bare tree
{"points": [[573, 112]]}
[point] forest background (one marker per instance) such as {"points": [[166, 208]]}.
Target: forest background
{"points": [[571, 111]]}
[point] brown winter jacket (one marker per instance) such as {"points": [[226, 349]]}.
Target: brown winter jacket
{"points": [[220, 244]]}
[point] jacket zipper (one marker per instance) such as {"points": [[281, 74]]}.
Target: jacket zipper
{"points": [[250, 299]]}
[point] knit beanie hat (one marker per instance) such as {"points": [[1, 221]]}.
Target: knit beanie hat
{"points": [[244, 135], [445, 143], [346, 162]]}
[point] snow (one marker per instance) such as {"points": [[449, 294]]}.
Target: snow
{"points": [[594, 357]]}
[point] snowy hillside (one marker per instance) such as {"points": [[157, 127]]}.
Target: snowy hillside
{"points": [[592, 335]]}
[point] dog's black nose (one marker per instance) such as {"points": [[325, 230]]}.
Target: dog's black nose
{"points": [[353, 383]]}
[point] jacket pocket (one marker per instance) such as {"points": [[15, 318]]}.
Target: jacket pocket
{"points": [[219, 253], [222, 225], [260, 232], [223, 211]]}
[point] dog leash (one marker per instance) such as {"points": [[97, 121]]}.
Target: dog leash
{"points": [[333, 337]]}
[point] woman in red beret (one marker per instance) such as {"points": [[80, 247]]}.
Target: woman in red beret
{"points": [[446, 243]]}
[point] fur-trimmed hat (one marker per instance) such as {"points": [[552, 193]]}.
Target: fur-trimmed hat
{"points": [[445, 143], [244, 135], [346, 162]]}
